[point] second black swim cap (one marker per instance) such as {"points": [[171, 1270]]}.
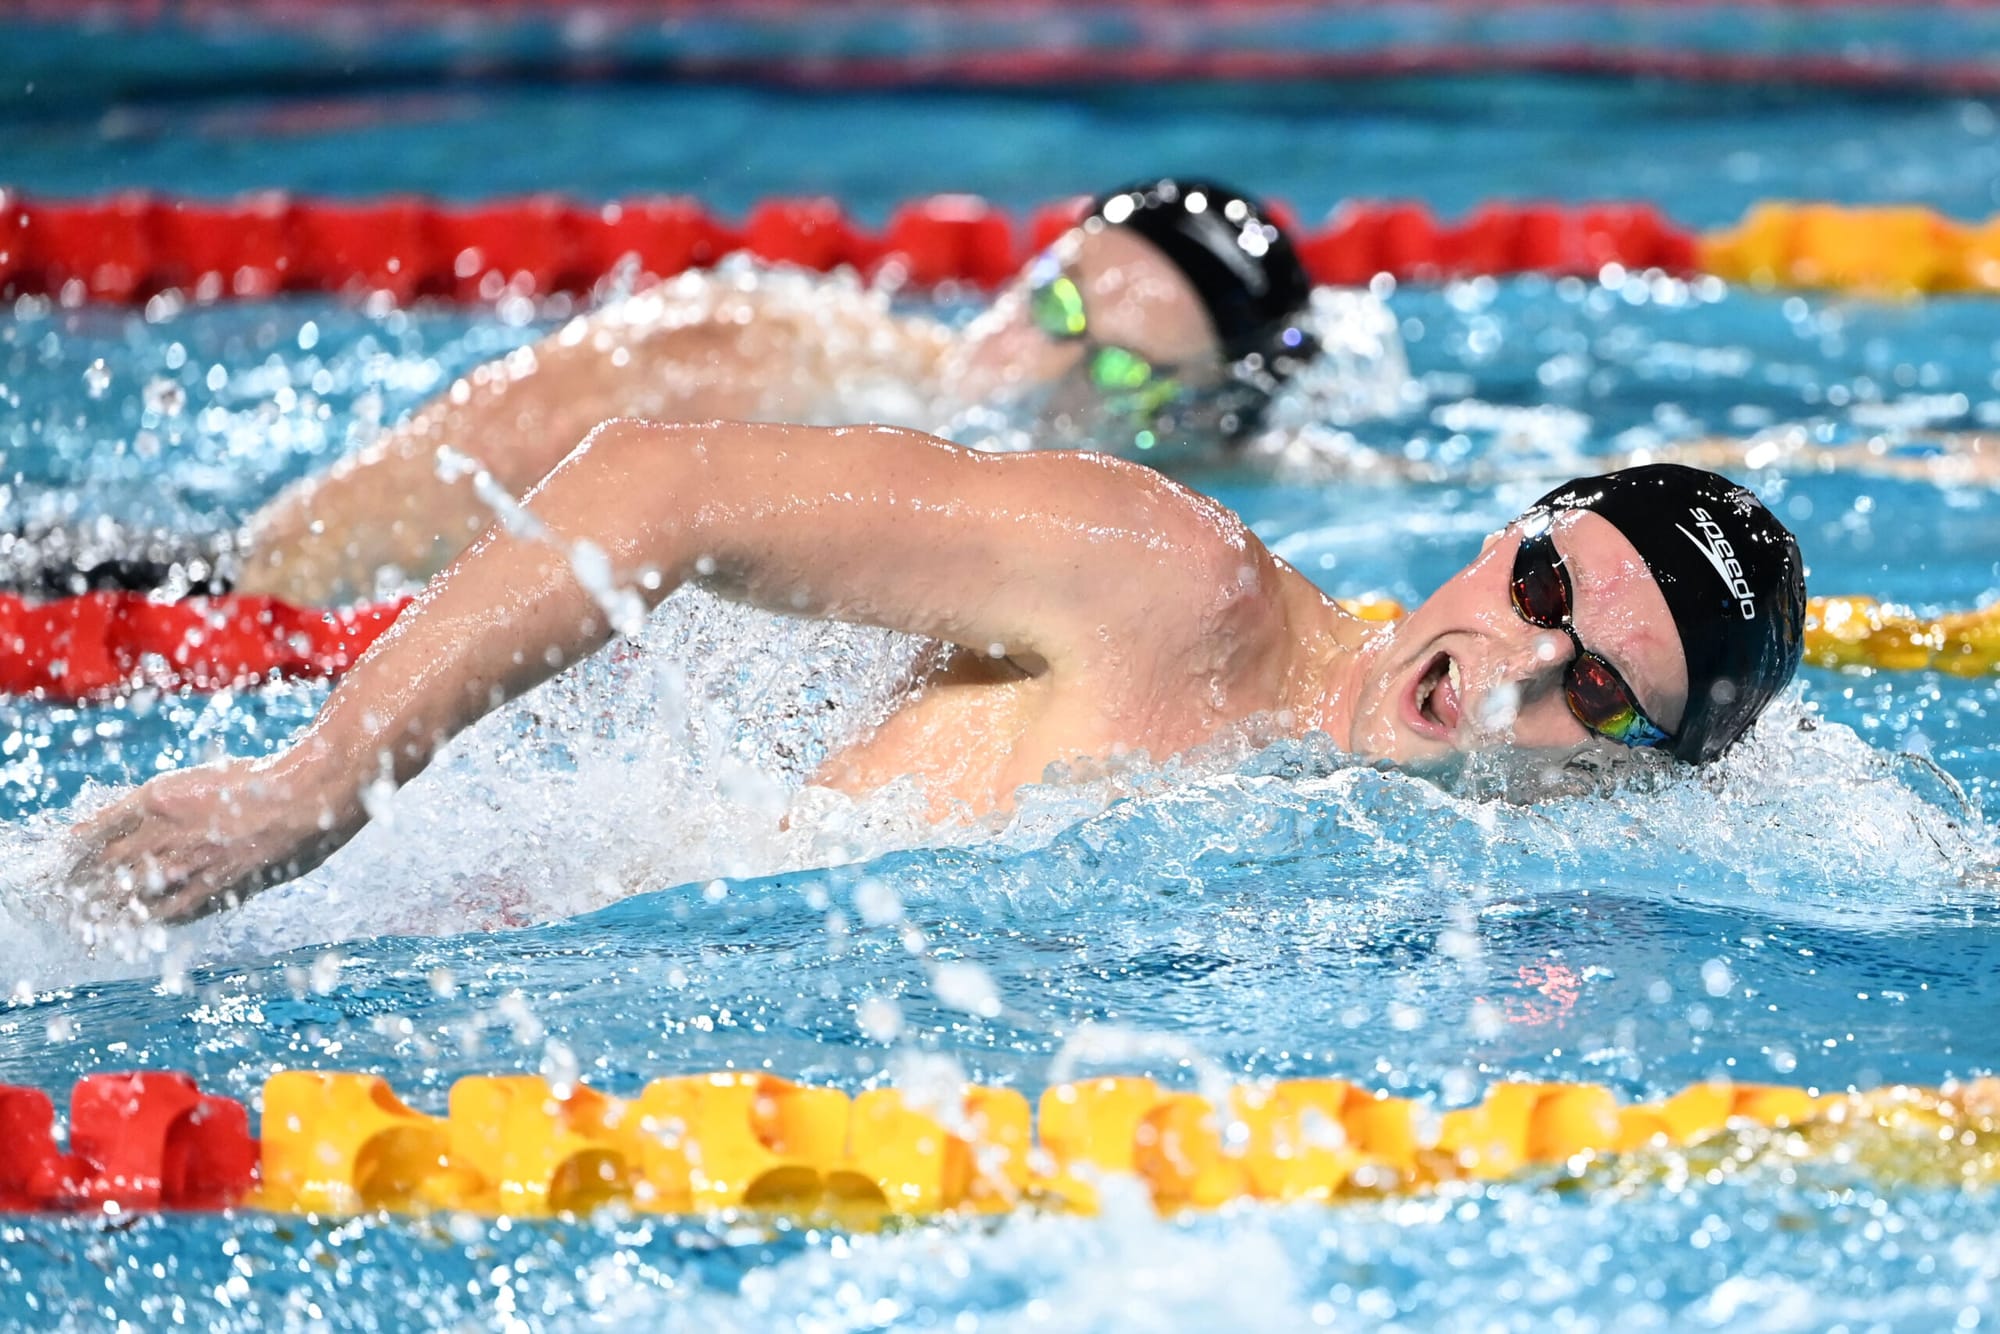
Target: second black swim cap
{"points": [[1733, 580], [1239, 262]]}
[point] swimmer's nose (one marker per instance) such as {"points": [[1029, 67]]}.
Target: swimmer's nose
{"points": [[1535, 660], [1526, 670]]}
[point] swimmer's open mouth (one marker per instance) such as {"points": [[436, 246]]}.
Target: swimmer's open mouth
{"points": [[1437, 698]]}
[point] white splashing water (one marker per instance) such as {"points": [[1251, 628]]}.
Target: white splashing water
{"points": [[683, 755]]}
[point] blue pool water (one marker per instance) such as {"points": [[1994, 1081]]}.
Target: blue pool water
{"points": [[594, 881]]}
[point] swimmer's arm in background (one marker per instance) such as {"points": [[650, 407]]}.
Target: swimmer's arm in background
{"points": [[1090, 569], [394, 505], [1941, 458]]}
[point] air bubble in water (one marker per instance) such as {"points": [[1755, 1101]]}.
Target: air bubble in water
{"points": [[325, 974], [96, 378], [560, 1066]]}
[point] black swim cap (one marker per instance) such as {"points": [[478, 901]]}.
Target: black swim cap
{"points": [[1733, 580], [1242, 266]]}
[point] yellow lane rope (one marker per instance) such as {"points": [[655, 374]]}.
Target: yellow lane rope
{"points": [[1861, 632], [1893, 251], [344, 1143]]}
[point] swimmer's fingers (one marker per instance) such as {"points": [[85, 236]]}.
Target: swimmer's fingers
{"points": [[201, 840], [133, 884], [196, 901], [108, 825], [93, 843], [157, 848]]}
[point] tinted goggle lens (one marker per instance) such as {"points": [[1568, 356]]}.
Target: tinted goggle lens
{"points": [[1540, 587], [1056, 307], [1129, 381], [1599, 699]]}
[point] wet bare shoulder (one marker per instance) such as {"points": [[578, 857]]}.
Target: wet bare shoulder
{"points": [[1198, 576]]}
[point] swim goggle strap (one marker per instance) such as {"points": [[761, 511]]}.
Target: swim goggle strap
{"points": [[1597, 694], [1129, 383]]}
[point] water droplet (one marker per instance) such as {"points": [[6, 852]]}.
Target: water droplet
{"points": [[881, 1019], [878, 904], [968, 987], [325, 974]]}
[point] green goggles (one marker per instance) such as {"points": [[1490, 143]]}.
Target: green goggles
{"points": [[1129, 383]]}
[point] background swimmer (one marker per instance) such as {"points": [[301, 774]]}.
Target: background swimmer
{"points": [[1169, 316], [1097, 608]]}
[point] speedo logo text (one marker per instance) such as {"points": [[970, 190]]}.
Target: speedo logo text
{"points": [[1715, 547]]}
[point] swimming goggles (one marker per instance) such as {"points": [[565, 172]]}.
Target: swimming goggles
{"points": [[1598, 695], [1129, 383]]}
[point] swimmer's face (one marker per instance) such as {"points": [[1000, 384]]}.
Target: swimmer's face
{"points": [[1466, 671], [1133, 299]]}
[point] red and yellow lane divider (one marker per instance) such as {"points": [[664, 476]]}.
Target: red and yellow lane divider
{"points": [[99, 645], [696, 1144], [134, 245]]}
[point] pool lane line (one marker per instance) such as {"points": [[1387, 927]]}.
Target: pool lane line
{"points": [[729, 1142], [136, 247]]}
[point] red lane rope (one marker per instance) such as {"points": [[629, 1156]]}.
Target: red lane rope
{"points": [[103, 644], [141, 1140], [132, 246]]}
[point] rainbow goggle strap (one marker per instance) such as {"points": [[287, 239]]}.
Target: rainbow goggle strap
{"points": [[1129, 383], [1597, 694]]}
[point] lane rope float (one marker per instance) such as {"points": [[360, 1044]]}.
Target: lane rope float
{"points": [[131, 246], [336, 1143], [98, 645], [1861, 632], [134, 246]]}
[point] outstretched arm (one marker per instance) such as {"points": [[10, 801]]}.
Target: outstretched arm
{"points": [[1062, 560]]}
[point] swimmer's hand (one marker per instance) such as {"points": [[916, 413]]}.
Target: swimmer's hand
{"points": [[195, 842]]}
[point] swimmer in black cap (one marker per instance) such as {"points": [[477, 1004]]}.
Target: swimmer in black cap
{"points": [[1164, 321], [1730, 573], [1169, 317], [1087, 606], [1681, 598]]}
